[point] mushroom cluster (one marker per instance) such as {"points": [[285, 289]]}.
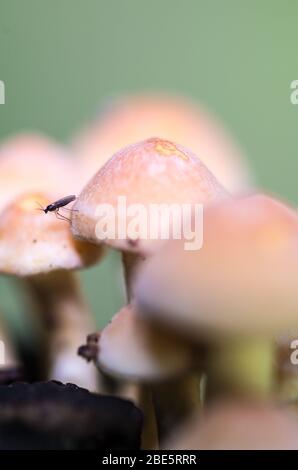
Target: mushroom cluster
{"points": [[199, 356]]}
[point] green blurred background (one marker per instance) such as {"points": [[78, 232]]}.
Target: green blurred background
{"points": [[60, 58]]}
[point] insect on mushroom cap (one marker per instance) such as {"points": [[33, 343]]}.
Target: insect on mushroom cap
{"points": [[32, 242], [152, 172], [33, 162]]}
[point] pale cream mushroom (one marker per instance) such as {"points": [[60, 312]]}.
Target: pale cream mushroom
{"points": [[39, 248], [154, 172], [33, 162], [124, 344], [132, 351], [238, 426], [238, 292], [133, 118]]}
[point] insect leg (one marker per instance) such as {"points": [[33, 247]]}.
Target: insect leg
{"points": [[69, 210], [60, 216]]}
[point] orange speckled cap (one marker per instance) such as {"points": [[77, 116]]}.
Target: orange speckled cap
{"points": [[154, 171], [32, 242], [32, 162], [243, 280], [130, 350], [134, 118]]}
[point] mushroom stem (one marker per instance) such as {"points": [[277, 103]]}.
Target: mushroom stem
{"points": [[174, 402], [150, 438], [10, 367], [242, 367], [66, 321], [130, 263]]}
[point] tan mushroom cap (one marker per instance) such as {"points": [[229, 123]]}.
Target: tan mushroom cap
{"points": [[134, 118], [238, 426], [130, 349], [32, 242], [154, 171], [32, 162], [243, 280]]}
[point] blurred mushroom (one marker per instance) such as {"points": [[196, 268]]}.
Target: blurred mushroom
{"points": [[49, 415], [40, 249], [155, 171], [133, 351], [32, 162], [133, 118], [129, 348], [238, 426], [237, 292]]}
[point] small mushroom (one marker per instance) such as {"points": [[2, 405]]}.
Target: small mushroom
{"points": [[129, 348], [154, 171], [238, 426], [40, 249], [133, 351], [134, 118], [33, 162], [53, 416], [238, 292]]}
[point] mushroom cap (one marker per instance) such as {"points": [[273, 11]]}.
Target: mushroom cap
{"points": [[134, 118], [242, 281], [132, 349], [32, 162], [50, 415], [238, 426], [151, 172], [32, 242]]}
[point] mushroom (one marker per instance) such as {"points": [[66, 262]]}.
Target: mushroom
{"points": [[53, 416], [133, 351], [238, 426], [151, 172], [238, 292], [133, 118], [124, 344], [32, 162], [40, 249]]}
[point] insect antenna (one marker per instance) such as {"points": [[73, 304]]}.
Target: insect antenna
{"points": [[40, 208]]}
